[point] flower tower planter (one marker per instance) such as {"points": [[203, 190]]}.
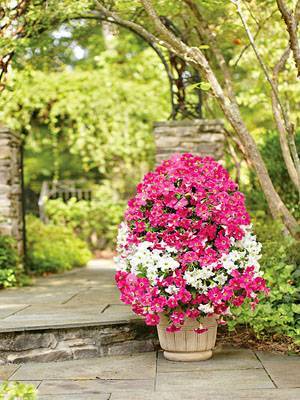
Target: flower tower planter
{"points": [[187, 254]]}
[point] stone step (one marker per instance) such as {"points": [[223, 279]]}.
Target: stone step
{"points": [[71, 341], [70, 316]]}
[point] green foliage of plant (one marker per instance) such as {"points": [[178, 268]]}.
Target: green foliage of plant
{"points": [[40, 165], [7, 278], [279, 312], [17, 391], [100, 116], [53, 248], [9, 262], [271, 152], [37, 18], [94, 221]]}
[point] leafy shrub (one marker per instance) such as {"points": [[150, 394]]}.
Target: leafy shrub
{"points": [[272, 155], [53, 248], [17, 391], [94, 221], [279, 313], [9, 262]]}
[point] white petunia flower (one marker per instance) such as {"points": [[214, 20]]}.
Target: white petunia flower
{"points": [[206, 308], [122, 238], [197, 277], [172, 289], [121, 263], [221, 279]]}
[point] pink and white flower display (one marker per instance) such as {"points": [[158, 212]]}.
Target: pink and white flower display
{"points": [[186, 248]]}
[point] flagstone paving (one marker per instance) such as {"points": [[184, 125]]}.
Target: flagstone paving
{"points": [[231, 373], [77, 298]]}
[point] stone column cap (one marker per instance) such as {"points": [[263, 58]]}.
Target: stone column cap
{"points": [[189, 122]]}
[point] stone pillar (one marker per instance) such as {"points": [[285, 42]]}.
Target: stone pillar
{"points": [[203, 137], [11, 209]]}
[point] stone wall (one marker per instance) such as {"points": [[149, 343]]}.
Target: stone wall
{"points": [[202, 137], [11, 212]]}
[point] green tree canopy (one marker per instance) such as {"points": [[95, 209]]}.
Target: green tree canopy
{"points": [[99, 107]]}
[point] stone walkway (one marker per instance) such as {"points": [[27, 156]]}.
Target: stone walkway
{"points": [[81, 297], [230, 374], [88, 297]]}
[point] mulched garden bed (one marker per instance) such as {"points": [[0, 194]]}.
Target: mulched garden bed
{"points": [[243, 337]]}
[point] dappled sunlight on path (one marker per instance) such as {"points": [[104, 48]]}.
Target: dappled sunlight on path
{"points": [[82, 296]]}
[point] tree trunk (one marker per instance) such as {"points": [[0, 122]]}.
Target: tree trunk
{"points": [[284, 145]]}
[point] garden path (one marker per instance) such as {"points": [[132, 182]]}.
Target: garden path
{"points": [[86, 296]]}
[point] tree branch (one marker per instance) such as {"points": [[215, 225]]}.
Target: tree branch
{"points": [[291, 21], [286, 129], [288, 126], [204, 31], [113, 17], [13, 29], [283, 134], [253, 45], [145, 35], [260, 26]]}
